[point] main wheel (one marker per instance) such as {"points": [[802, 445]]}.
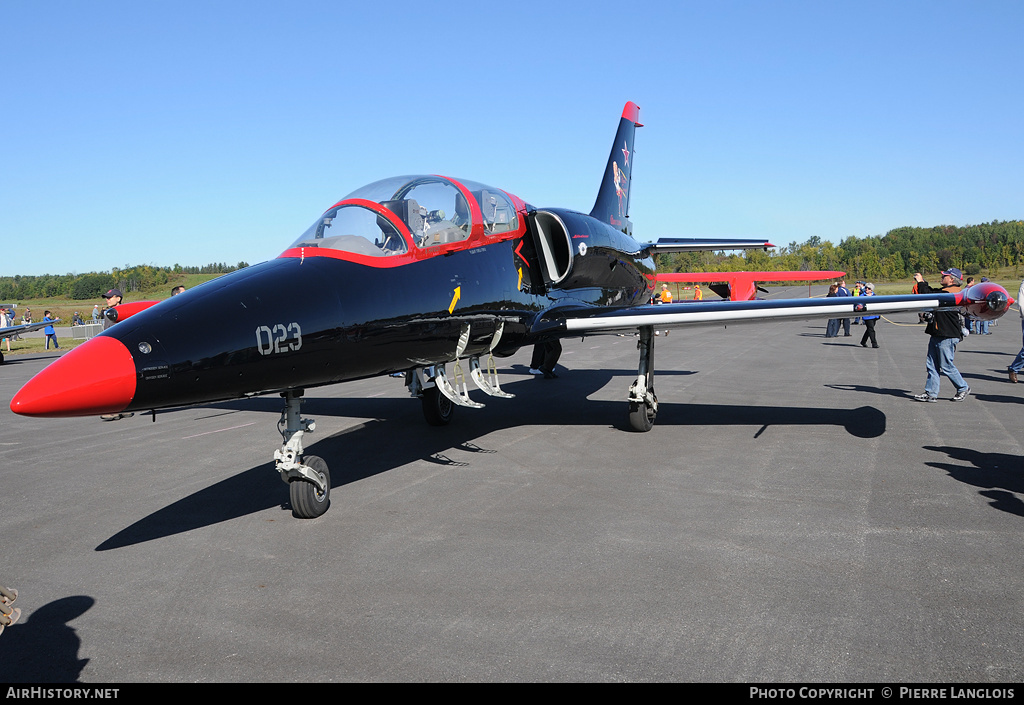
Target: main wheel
{"points": [[437, 408], [641, 416], [308, 502]]}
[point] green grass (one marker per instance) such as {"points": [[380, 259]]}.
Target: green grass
{"points": [[26, 346]]}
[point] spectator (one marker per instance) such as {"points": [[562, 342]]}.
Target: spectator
{"points": [[843, 291], [832, 329], [113, 298], [945, 330], [1018, 362], [51, 334], [869, 321]]}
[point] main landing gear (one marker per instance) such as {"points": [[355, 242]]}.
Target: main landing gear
{"points": [[308, 478], [440, 396], [643, 404]]}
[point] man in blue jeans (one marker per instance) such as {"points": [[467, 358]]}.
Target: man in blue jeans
{"points": [[945, 331], [843, 291], [1018, 362]]}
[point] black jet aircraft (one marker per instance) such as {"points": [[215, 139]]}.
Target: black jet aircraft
{"points": [[424, 277]]}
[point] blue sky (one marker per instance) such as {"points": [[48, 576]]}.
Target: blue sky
{"points": [[195, 132]]}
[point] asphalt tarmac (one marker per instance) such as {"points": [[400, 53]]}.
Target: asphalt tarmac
{"points": [[794, 516]]}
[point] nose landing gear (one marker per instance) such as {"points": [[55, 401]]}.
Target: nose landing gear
{"points": [[308, 479]]}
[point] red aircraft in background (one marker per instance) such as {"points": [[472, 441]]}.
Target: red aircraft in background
{"points": [[407, 276], [742, 286]]}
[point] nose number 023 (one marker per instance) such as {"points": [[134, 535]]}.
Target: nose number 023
{"points": [[281, 338]]}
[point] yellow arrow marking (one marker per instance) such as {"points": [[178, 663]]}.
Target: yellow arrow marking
{"points": [[520, 278], [458, 295]]}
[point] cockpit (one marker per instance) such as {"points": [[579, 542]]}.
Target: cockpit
{"points": [[412, 214]]}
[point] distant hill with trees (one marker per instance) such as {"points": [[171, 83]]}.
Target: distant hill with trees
{"points": [[142, 277], [975, 249]]}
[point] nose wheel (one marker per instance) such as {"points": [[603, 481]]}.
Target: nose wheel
{"points": [[308, 499], [309, 480], [641, 416]]}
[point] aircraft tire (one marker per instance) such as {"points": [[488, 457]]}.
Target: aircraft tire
{"points": [[641, 417], [308, 502], [437, 408]]}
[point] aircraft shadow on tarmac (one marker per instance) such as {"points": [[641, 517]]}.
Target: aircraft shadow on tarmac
{"points": [[986, 352], [44, 647], [1000, 474], [1000, 398], [888, 391], [370, 448], [902, 393], [998, 376]]}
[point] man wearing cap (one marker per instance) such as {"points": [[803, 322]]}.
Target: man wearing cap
{"points": [[945, 331], [113, 298], [869, 321]]}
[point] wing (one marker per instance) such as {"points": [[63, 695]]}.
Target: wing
{"points": [[985, 301], [702, 244], [25, 328]]}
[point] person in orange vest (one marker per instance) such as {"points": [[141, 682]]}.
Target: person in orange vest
{"points": [[698, 295], [666, 295]]}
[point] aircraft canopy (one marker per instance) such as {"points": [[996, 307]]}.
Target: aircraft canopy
{"points": [[391, 216]]}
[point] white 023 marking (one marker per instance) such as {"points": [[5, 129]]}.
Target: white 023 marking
{"points": [[276, 340]]}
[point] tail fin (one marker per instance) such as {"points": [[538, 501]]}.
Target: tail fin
{"points": [[612, 205]]}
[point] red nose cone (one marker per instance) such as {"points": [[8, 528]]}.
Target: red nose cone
{"points": [[97, 377]]}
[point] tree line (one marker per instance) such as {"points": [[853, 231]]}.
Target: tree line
{"points": [[974, 249], [92, 285]]}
